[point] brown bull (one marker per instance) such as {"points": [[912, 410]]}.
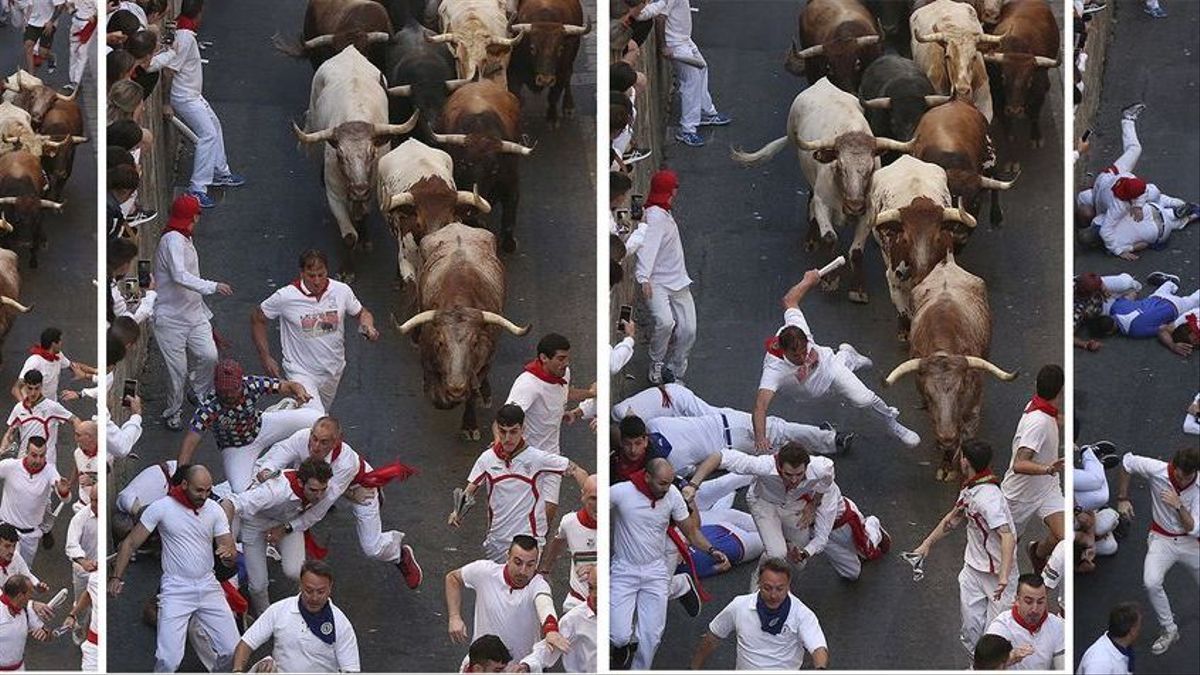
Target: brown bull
{"points": [[38, 99], [546, 57], [10, 288], [841, 38], [22, 184], [331, 25], [949, 344], [1029, 48], [460, 290], [954, 136], [63, 125]]}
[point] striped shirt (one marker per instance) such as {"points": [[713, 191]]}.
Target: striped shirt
{"points": [[236, 425]]}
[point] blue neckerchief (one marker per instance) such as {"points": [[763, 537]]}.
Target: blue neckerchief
{"points": [[773, 620], [659, 446], [1127, 651], [320, 623]]}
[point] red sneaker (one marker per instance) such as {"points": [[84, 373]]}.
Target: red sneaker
{"points": [[409, 567]]}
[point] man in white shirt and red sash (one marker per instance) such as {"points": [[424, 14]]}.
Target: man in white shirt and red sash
{"points": [[1174, 526], [1037, 635], [27, 485], [18, 622]]}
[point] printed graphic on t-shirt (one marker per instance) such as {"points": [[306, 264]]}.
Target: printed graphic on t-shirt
{"points": [[319, 324]]}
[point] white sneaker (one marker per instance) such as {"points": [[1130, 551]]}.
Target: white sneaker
{"points": [[907, 436], [273, 553], [1164, 642], [656, 373], [856, 360]]}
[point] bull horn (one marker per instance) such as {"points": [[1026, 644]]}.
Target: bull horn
{"points": [[400, 90], [809, 52], [79, 139], [984, 364], [452, 85], [994, 57], [403, 199], [5, 226], [990, 39], [441, 38], [51, 143], [881, 103], [5, 300], [934, 100], [47, 204], [8, 200], [494, 319], [932, 37], [521, 27], [572, 30], [886, 216], [377, 37], [988, 183], [514, 148], [416, 320], [813, 146], [508, 41], [893, 145], [958, 215], [319, 41], [397, 129], [449, 139], [866, 40], [314, 137], [473, 199], [68, 98], [901, 370], [1045, 62]]}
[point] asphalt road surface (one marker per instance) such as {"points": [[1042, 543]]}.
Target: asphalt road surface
{"points": [[63, 293], [1134, 392], [743, 231], [251, 240]]}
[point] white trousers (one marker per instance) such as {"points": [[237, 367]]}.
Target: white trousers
{"points": [[322, 388], [210, 161], [715, 491], [975, 598], [780, 432], [846, 385], [1091, 483], [1183, 303], [30, 544], [648, 404], [1119, 284], [694, 100], [638, 591], [1162, 554], [79, 51], [254, 548], [91, 658], [375, 543], [1106, 522], [276, 426], [179, 344], [779, 526], [674, 313], [182, 599]]}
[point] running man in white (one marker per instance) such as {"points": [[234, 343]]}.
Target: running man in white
{"points": [[577, 534], [86, 602], [188, 523], [83, 28], [1037, 635], [1112, 653], [578, 626], [36, 415], [309, 633], [987, 582], [27, 485], [800, 512], [642, 509], [18, 623], [312, 313], [517, 478], [1031, 484], [12, 564], [48, 358], [82, 540], [795, 362], [774, 629], [512, 601], [1174, 526]]}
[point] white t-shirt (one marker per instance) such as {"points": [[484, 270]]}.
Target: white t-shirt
{"points": [[183, 57], [1038, 432], [639, 526], [50, 371], [1103, 658], [121, 439], [42, 12], [312, 330], [84, 9], [268, 504], [1047, 642], [187, 537], [40, 420], [23, 501], [758, 649], [578, 626], [692, 439], [93, 589], [779, 373], [291, 451], [544, 404], [14, 633], [17, 566], [506, 612], [148, 486], [296, 649], [581, 542], [1155, 471], [516, 491], [660, 259], [619, 355], [986, 511]]}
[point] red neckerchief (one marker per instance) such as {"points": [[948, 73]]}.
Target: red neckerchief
{"points": [[297, 487], [641, 481], [508, 580], [315, 296], [535, 368], [1193, 324], [25, 463], [507, 456], [176, 492], [12, 609], [44, 353], [666, 398], [380, 476], [185, 23], [90, 454], [1178, 487], [623, 468], [337, 450], [810, 359], [1039, 403], [1032, 628], [591, 603], [982, 478], [586, 519], [185, 230]]}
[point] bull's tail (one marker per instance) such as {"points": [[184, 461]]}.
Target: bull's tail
{"points": [[293, 47], [761, 155]]}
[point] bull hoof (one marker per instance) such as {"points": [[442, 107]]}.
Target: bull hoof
{"points": [[902, 336], [829, 238], [508, 243], [469, 434], [858, 295], [830, 283], [350, 240], [1037, 142]]}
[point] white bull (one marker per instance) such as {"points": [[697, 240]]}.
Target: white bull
{"points": [[945, 39], [477, 31]]}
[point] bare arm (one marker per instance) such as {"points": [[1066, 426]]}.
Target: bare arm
{"points": [[821, 658], [133, 542], [454, 586], [791, 299], [1008, 547], [1124, 506], [1025, 464], [709, 465], [366, 324], [1164, 336], [762, 403], [950, 521], [553, 549], [705, 649], [16, 390], [190, 443], [258, 332], [241, 656]]}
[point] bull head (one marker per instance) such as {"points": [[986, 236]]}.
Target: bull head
{"points": [[844, 59], [853, 154], [951, 391], [51, 147], [974, 362], [960, 52], [1018, 71], [490, 318], [9, 302], [546, 43], [507, 147], [462, 197]]}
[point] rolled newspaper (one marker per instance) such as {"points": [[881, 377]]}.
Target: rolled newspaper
{"points": [[58, 599], [832, 265], [183, 129]]}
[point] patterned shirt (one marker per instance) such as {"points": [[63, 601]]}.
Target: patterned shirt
{"points": [[1088, 307], [235, 426]]}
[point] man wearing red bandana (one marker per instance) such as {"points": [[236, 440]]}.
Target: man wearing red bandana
{"points": [[987, 583], [1037, 635], [1031, 485], [312, 313], [577, 534], [17, 622], [36, 415], [12, 564], [80, 546], [578, 627], [27, 485], [1174, 527], [47, 357]]}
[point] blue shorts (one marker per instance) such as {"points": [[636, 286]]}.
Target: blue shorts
{"points": [[725, 541], [1151, 313]]}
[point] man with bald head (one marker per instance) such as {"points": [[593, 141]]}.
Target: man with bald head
{"points": [[188, 523], [642, 510], [577, 532]]}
